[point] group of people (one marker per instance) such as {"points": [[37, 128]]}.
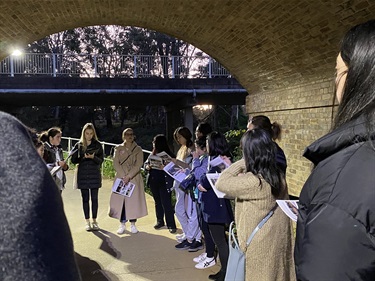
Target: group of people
{"points": [[335, 229]]}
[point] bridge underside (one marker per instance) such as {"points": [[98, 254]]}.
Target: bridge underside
{"points": [[178, 93]]}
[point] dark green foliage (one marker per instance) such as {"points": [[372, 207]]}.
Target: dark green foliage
{"points": [[234, 137]]}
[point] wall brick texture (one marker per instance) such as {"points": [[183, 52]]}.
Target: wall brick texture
{"points": [[305, 113]]}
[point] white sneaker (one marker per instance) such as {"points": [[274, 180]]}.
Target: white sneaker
{"points": [[95, 226], [200, 258], [121, 229], [133, 229], [88, 226], [206, 263], [180, 237]]}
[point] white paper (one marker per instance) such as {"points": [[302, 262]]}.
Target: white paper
{"points": [[159, 160], [218, 161], [123, 189], [176, 172], [155, 162], [54, 170], [289, 207], [212, 178]]}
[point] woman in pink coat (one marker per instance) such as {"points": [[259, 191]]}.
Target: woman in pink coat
{"points": [[127, 161]]}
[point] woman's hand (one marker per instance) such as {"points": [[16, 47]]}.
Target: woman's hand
{"points": [[89, 156], [201, 188], [126, 179], [62, 164], [226, 159]]}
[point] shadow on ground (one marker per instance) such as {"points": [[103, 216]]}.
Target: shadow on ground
{"points": [[90, 270]]}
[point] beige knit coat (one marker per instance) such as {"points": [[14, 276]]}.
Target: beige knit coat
{"points": [[270, 254], [135, 206]]}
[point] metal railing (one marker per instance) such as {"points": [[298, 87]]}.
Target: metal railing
{"points": [[101, 65], [70, 142]]}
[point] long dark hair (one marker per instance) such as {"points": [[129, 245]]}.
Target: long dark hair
{"points": [[185, 132], [259, 152], [161, 144], [358, 53], [204, 128], [263, 122], [217, 145]]}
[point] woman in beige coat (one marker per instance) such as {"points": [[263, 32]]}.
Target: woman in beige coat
{"points": [[256, 182], [127, 161]]}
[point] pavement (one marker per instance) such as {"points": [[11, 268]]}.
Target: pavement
{"points": [[148, 255]]}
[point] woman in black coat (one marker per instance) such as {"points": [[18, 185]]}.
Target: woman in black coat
{"points": [[160, 184], [89, 157], [216, 212], [336, 223]]}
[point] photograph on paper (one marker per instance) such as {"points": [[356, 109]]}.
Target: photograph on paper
{"points": [[218, 162], [176, 172], [212, 178], [123, 189]]}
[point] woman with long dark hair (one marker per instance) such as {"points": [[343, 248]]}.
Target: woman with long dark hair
{"points": [[256, 182], [183, 137], [53, 154], [336, 223], [160, 184], [274, 131], [216, 212]]}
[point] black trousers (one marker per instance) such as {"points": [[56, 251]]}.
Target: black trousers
{"points": [[160, 185], [218, 235], [123, 218], [86, 202]]}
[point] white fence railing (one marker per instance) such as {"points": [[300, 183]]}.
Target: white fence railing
{"points": [[68, 143], [101, 65]]}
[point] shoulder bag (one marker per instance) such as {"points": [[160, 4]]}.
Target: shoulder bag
{"points": [[237, 259]]}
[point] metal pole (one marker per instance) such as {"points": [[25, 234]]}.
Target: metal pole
{"points": [[11, 66], [135, 66], [173, 74], [54, 64], [95, 67], [210, 68]]}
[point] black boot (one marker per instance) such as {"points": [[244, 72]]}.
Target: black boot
{"points": [[217, 276], [159, 225]]}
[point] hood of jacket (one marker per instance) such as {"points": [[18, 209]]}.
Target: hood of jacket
{"points": [[348, 134]]}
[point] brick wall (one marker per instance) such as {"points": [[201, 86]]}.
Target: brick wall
{"points": [[305, 113]]}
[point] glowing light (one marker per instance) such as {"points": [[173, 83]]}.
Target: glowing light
{"points": [[203, 106], [16, 53]]}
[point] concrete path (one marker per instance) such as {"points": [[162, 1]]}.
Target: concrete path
{"points": [[105, 255]]}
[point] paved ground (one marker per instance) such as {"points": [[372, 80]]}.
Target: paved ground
{"points": [[105, 255]]}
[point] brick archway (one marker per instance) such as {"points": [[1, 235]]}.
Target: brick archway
{"points": [[283, 53]]}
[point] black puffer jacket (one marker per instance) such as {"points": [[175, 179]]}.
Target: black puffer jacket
{"points": [[336, 223], [89, 175]]}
